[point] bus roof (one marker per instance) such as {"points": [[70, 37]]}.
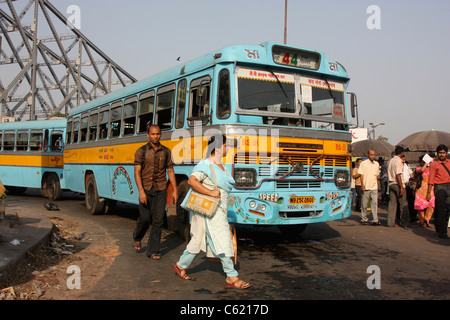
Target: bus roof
{"points": [[34, 125], [241, 54]]}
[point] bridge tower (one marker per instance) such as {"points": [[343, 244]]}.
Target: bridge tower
{"points": [[47, 66]]}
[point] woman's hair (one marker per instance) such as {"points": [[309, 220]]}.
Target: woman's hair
{"points": [[216, 141]]}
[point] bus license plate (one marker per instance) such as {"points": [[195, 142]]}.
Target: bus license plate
{"points": [[302, 200]]}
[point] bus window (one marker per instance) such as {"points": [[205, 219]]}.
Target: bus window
{"points": [[199, 101], [1, 140], [56, 140], [69, 131], [164, 107], [116, 119], [103, 123], [84, 127], [36, 139], [129, 116], [223, 100], [8, 140], [146, 106], [93, 122], [75, 130], [22, 141], [181, 104]]}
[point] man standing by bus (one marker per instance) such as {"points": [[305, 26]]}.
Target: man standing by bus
{"points": [[440, 179], [150, 164], [397, 196], [369, 171]]}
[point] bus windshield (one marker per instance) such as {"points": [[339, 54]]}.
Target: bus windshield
{"points": [[270, 94], [266, 91]]}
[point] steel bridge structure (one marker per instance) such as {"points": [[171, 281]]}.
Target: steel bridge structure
{"points": [[47, 66]]}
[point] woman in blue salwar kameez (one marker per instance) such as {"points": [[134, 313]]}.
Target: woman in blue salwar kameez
{"points": [[211, 235]]}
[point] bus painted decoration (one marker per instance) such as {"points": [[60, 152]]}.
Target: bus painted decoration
{"points": [[121, 172]]}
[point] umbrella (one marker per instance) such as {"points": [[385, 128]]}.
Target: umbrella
{"points": [[381, 147], [425, 141]]}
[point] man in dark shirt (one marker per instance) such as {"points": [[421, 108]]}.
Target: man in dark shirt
{"points": [[440, 179], [150, 164]]}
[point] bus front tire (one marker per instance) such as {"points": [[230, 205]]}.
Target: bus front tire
{"points": [[51, 187], [93, 203]]}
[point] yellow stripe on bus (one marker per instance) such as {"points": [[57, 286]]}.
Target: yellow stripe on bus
{"points": [[32, 161]]}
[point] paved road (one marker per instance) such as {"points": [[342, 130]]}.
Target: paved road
{"points": [[329, 261]]}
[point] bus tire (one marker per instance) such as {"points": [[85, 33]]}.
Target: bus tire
{"points": [[92, 200], [52, 187], [183, 225]]}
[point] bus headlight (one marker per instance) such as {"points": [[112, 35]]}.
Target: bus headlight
{"points": [[342, 178], [245, 177]]}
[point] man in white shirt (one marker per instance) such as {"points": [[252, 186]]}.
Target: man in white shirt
{"points": [[397, 194], [370, 170]]}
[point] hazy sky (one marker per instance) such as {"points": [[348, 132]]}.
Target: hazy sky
{"points": [[400, 72]]}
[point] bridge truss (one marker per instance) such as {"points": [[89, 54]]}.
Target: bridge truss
{"points": [[44, 72]]}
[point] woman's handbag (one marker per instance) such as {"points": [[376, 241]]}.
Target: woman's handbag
{"points": [[201, 203]]}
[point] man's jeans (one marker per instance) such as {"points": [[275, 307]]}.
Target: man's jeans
{"points": [[442, 207], [151, 214], [397, 201], [373, 196]]}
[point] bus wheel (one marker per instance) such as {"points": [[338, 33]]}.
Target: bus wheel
{"points": [[51, 187], [292, 231], [182, 214], [93, 203]]}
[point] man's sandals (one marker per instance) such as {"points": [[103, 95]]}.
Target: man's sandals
{"points": [[181, 272], [137, 246]]}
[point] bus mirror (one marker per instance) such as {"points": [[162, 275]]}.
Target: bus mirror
{"points": [[353, 104], [354, 107]]}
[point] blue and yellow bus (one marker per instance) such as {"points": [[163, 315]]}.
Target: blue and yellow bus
{"points": [[286, 114], [31, 156]]}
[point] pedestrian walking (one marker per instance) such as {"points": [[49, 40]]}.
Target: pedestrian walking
{"points": [[211, 234], [369, 171], [151, 164], [440, 179]]}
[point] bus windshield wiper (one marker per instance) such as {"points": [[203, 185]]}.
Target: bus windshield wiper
{"points": [[279, 82]]}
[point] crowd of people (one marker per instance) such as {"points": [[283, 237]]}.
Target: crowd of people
{"points": [[412, 196]]}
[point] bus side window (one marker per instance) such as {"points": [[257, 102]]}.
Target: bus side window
{"points": [[199, 100], [76, 130], [69, 131], [116, 119], [1, 140], [56, 140], [223, 99], [93, 122], [22, 141], [181, 104], [103, 123], [84, 127], [129, 116], [36, 139], [8, 140], [164, 107], [146, 107]]}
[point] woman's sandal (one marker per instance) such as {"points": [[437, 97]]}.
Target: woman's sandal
{"points": [[238, 284], [181, 272], [137, 246]]}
